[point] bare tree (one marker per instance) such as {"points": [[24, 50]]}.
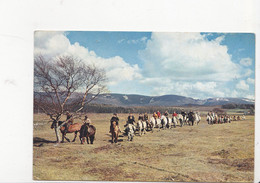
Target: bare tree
{"points": [[55, 81]]}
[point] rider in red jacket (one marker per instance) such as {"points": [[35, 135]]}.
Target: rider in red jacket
{"points": [[174, 114], [159, 114]]}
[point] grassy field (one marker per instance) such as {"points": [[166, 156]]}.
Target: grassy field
{"points": [[203, 153]]}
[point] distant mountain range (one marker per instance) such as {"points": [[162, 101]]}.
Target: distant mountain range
{"points": [[165, 100]]}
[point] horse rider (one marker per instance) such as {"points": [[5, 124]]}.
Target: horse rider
{"points": [[183, 113], [174, 114], [213, 114], [141, 117], [86, 121], [146, 117], [190, 116], [116, 119], [69, 120], [190, 113], [131, 119], [155, 115], [158, 114]]}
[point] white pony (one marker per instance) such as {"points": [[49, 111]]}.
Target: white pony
{"points": [[174, 121], [164, 122], [169, 122], [243, 117], [197, 118], [210, 119], [181, 120], [155, 123], [141, 126], [130, 130]]}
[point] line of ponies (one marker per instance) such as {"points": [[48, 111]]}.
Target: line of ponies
{"points": [[87, 131]]}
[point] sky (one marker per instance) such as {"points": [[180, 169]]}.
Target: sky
{"points": [[197, 65]]}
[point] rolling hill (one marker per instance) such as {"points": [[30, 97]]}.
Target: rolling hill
{"points": [[164, 100]]}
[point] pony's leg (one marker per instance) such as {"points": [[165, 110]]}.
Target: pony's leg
{"points": [[81, 140], [87, 139], [116, 138], [112, 138], [144, 130], [66, 138], [91, 139], [75, 136]]}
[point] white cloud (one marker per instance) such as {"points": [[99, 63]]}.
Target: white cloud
{"points": [[220, 39], [250, 97], [250, 81], [51, 44], [246, 61], [136, 41], [242, 85], [248, 72], [163, 86], [120, 41], [186, 56]]}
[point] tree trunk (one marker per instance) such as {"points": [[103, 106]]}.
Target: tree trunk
{"points": [[57, 129]]}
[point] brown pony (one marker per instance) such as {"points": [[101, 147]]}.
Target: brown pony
{"points": [[114, 132], [73, 128], [87, 131]]}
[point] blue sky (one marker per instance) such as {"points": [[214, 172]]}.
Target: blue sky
{"points": [[199, 65]]}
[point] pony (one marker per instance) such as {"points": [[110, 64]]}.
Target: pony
{"points": [[87, 132], [130, 131], [141, 126], [210, 119], [227, 119], [215, 119], [174, 121], [114, 132], [169, 124], [243, 117], [73, 128], [190, 119], [164, 122], [155, 123], [186, 120], [181, 120], [149, 125], [196, 118], [144, 126]]}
